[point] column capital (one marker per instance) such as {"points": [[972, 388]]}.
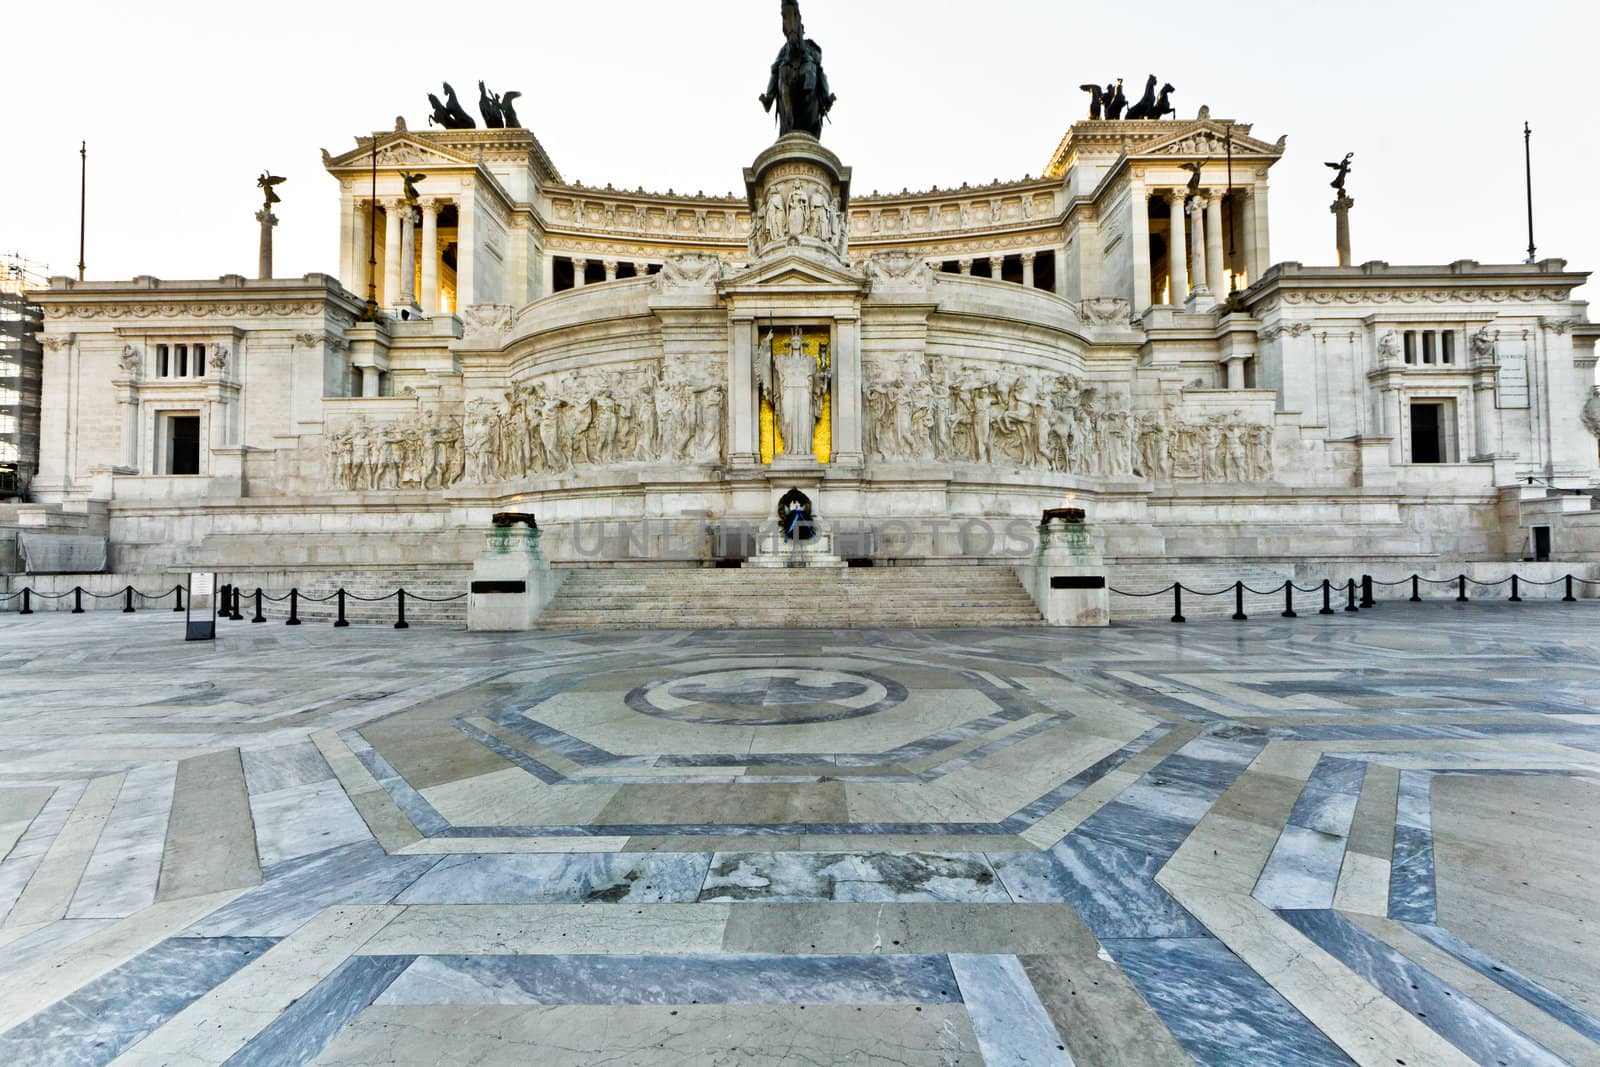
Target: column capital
{"points": [[579, 263], [640, 268], [1028, 257], [1176, 196], [432, 204], [610, 266], [1199, 203]]}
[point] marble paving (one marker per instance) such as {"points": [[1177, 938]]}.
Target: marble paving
{"points": [[1361, 839]]}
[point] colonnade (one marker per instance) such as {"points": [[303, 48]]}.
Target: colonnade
{"points": [[398, 285], [1197, 261]]}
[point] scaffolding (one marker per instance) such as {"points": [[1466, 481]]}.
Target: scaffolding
{"points": [[21, 375]]}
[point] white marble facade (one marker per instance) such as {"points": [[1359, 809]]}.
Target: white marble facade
{"points": [[1113, 332]]}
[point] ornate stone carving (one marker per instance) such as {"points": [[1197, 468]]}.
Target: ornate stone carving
{"points": [[1105, 311], [219, 359], [1591, 411], [693, 270], [1389, 349], [423, 454], [131, 363], [56, 342], [1483, 344], [899, 270], [487, 325]]}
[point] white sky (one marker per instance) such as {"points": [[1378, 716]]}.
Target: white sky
{"points": [[184, 103]]}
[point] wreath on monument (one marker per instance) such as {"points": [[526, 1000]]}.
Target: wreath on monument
{"points": [[795, 517]]}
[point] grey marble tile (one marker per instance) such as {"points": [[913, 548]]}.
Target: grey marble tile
{"points": [[1218, 1009], [1461, 1021], [94, 1024], [299, 1035], [269, 769], [616, 878], [1113, 888], [1497, 971], [861, 877], [721, 979], [1010, 1023], [1303, 870], [297, 890]]}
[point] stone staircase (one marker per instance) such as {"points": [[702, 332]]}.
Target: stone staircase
{"points": [[634, 598]]}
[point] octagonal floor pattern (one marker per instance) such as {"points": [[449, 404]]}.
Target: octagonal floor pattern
{"points": [[1360, 839]]}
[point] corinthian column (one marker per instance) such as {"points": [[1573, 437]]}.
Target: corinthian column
{"points": [[408, 256], [1197, 246], [1216, 269], [391, 252], [430, 257], [1177, 265]]}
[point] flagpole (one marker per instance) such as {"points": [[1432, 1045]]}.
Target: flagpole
{"points": [[83, 200], [1527, 163], [372, 239]]}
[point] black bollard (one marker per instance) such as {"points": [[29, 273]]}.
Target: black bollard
{"points": [[1177, 602], [1238, 602], [259, 617], [177, 591], [294, 608], [402, 624], [1515, 598], [27, 606], [127, 601], [1462, 584], [341, 621], [235, 614], [1350, 603], [1366, 592], [77, 600], [1327, 598], [224, 598], [1569, 598], [1416, 589], [1288, 600]]}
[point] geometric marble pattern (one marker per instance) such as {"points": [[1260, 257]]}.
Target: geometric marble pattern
{"points": [[1360, 839]]}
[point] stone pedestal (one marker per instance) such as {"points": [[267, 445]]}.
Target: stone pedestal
{"points": [[773, 552], [512, 582], [1341, 227], [1067, 577]]}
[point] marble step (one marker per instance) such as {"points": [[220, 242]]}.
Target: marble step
{"points": [[859, 598]]}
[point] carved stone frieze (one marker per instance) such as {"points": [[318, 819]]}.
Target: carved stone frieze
{"points": [[1421, 296], [986, 413]]}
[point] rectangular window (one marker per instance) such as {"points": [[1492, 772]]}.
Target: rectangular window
{"points": [[182, 354], [1411, 346], [1433, 431], [1427, 346], [163, 362], [1447, 347], [199, 361], [182, 442]]}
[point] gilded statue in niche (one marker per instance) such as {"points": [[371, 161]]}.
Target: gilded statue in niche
{"points": [[794, 373]]}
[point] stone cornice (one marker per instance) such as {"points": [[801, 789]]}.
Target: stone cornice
{"points": [[1143, 138], [230, 296], [1464, 281], [460, 148]]}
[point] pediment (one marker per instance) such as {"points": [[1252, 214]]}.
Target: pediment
{"points": [[792, 270], [1203, 139], [399, 150]]}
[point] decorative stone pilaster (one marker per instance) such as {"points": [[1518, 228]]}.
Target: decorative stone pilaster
{"points": [[579, 268]]}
